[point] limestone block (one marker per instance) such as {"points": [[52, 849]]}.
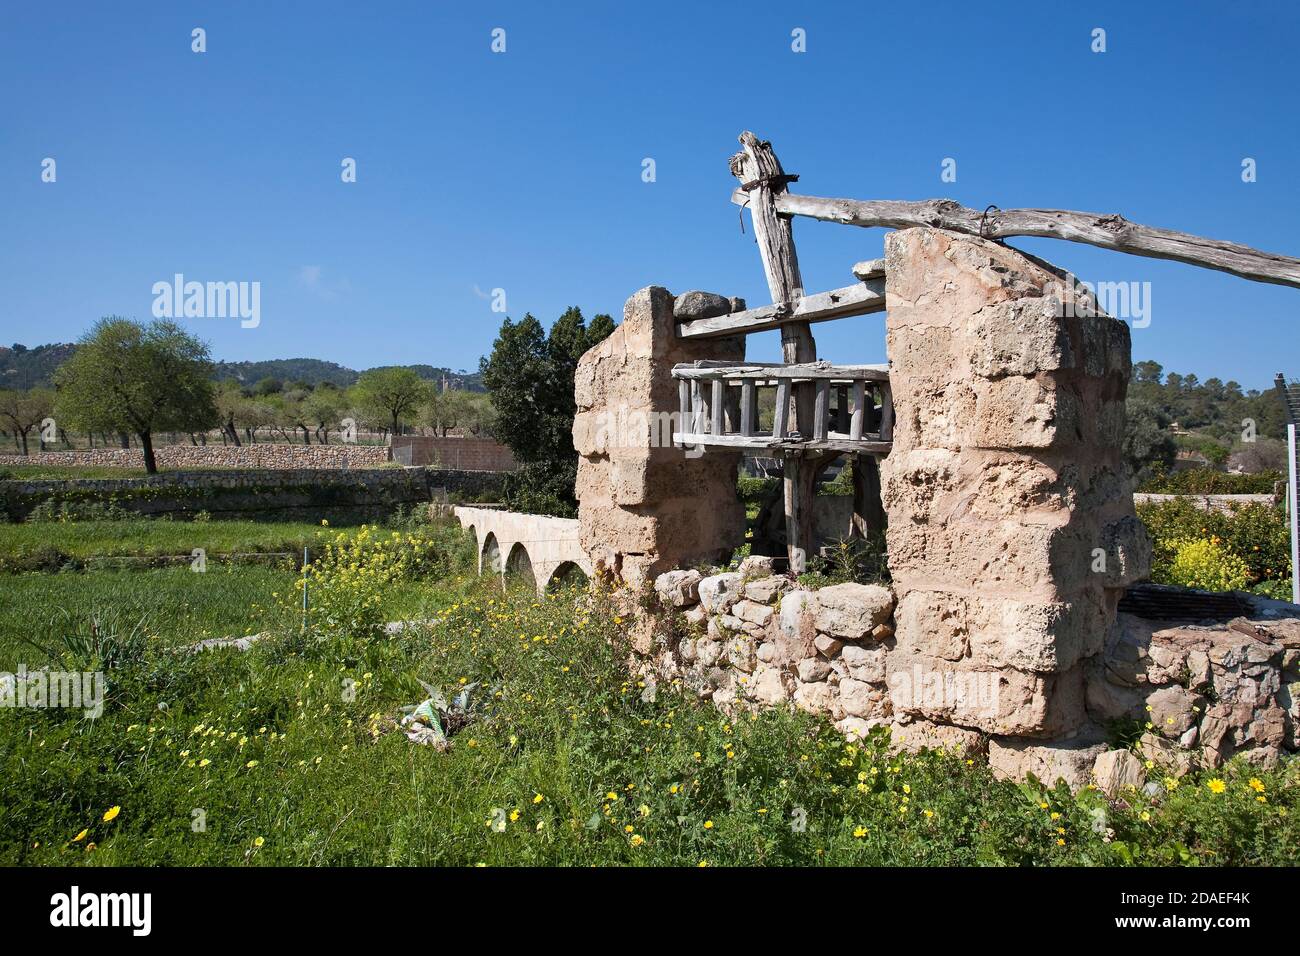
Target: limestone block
{"points": [[852, 610], [796, 628], [1050, 761], [860, 699], [719, 592], [1117, 770], [752, 612], [813, 669], [765, 590], [678, 588], [917, 735], [1018, 337], [865, 663], [767, 686]]}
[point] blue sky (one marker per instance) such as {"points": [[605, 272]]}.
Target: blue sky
{"points": [[522, 170]]}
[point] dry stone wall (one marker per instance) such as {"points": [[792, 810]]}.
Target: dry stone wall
{"points": [[310, 494], [265, 455]]}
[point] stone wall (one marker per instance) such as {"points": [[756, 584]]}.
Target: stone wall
{"points": [[265, 455], [309, 494], [646, 506], [1011, 528], [1204, 692], [454, 452]]}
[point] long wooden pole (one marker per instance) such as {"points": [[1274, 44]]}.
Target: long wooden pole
{"points": [[762, 179], [1106, 231]]}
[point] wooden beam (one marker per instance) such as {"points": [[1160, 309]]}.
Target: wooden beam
{"points": [[812, 371], [862, 298], [870, 269], [757, 443], [763, 179], [1094, 229]]}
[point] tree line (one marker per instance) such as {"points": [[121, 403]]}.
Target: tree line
{"points": [[128, 379], [1230, 426]]}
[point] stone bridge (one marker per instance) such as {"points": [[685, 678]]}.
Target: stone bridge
{"points": [[538, 547]]}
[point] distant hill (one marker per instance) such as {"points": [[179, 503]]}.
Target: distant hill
{"points": [[312, 371], [23, 367]]}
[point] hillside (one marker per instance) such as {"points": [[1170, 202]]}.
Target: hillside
{"points": [[22, 367]]}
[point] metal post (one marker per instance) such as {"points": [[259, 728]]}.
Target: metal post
{"points": [[1291, 501], [304, 589]]}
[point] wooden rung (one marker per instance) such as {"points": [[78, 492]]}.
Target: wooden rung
{"points": [[822, 409], [780, 417], [858, 420], [886, 413], [748, 408], [716, 407], [697, 408]]}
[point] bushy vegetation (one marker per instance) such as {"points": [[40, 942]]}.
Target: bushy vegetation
{"points": [[530, 375], [287, 754], [1208, 481], [1245, 548]]}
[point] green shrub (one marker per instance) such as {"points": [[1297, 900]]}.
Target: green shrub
{"points": [[1208, 481], [1206, 564], [1256, 534]]}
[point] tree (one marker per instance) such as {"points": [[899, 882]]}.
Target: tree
{"points": [[456, 408], [1147, 445], [325, 407], [24, 410], [395, 391], [129, 377], [529, 376], [231, 405]]}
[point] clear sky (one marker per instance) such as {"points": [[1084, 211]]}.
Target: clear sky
{"points": [[522, 170]]}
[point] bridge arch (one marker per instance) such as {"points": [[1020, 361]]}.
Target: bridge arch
{"points": [[519, 564], [566, 574], [489, 559]]}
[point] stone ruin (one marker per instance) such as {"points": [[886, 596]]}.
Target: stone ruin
{"points": [[1011, 534]]}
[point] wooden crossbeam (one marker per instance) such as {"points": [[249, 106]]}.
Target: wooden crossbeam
{"points": [[764, 443], [863, 298], [1094, 229], [810, 371]]}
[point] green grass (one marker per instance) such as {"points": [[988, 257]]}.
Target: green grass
{"points": [[288, 755], [572, 763], [38, 472], [48, 544], [173, 606]]}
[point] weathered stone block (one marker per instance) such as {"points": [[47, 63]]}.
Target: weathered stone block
{"points": [[851, 611]]}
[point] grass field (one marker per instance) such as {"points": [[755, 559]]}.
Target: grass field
{"points": [[47, 543], [287, 753]]}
